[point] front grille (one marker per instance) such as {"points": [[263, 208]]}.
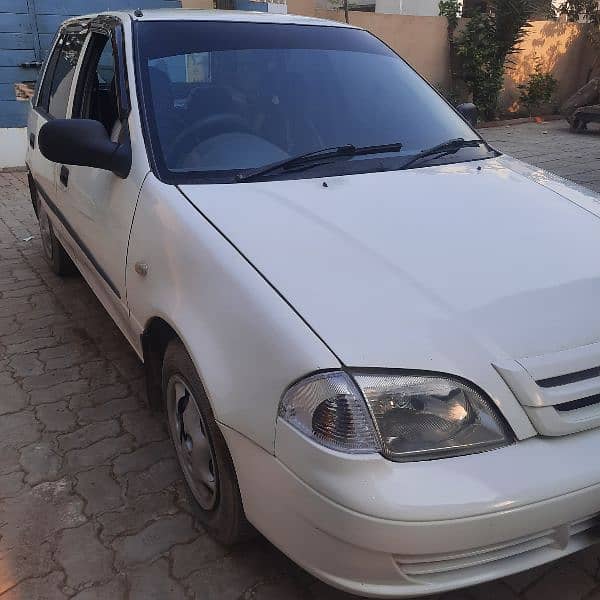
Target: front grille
{"points": [[560, 392], [577, 404], [570, 378], [530, 550]]}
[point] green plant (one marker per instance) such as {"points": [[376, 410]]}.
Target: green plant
{"points": [[449, 94], [574, 9], [486, 46], [451, 10], [479, 66], [538, 90]]}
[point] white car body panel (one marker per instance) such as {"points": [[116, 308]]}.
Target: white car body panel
{"points": [[427, 283], [247, 343], [231, 16], [100, 207], [388, 557]]}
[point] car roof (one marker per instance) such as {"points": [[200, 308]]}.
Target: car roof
{"points": [[187, 14]]}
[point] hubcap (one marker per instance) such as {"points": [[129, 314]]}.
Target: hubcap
{"points": [[46, 234], [194, 451]]}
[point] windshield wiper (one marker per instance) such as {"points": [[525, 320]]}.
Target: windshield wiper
{"points": [[313, 158], [448, 147]]}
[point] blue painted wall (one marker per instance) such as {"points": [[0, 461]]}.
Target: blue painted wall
{"points": [[27, 28]]}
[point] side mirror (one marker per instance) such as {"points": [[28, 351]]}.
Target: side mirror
{"points": [[86, 143], [469, 112]]}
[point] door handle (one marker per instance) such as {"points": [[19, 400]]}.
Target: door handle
{"points": [[64, 175], [32, 140]]}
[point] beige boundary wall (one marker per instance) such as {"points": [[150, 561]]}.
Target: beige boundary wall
{"points": [[422, 41], [562, 49]]}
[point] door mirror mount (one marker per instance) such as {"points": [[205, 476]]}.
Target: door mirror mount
{"points": [[469, 112], [84, 142]]}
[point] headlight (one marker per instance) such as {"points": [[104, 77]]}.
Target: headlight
{"points": [[420, 417], [405, 417]]}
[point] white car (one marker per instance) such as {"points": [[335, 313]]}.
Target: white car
{"points": [[376, 339]]}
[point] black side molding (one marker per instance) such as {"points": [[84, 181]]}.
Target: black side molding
{"points": [[59, 215]]}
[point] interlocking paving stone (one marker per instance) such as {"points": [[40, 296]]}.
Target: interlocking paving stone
{"points": [[56, 417], [134, 515], [88, 434], [108, 410], [84, 559], [57, 392], [571, 582], [113, 590], [9, 460], [144, 427], [39, 514], [143, 458], [40, 462], [98, 453], [276, 590], [24, 365], [154, 540], [242, 570], [554, 147], [38, 588], [99, 490], [12, 398], [92, 504], [99, 396], [23, 564], [152, 582], [191, 557], [18, 429], [154, 479], [11, 485]]}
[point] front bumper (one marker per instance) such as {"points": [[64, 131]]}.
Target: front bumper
{"points": [[369, 535]]}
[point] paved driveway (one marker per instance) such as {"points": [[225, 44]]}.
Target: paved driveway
{"points": [[553, 147], [91, 500]]}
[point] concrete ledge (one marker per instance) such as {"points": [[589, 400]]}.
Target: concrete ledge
{"points": [[13, 147], [22, 169], [519, 121]]}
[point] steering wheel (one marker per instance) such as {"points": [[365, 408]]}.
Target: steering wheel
{"points": [[205, 129]]}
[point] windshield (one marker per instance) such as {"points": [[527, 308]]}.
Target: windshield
{"points": [[224, 97]]}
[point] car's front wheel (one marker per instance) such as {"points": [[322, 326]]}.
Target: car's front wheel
{"points": [[201, 449]]}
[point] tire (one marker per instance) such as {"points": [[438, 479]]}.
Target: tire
{"points": [[577, 124], [201, 450], [574, 125], [54, 253]]}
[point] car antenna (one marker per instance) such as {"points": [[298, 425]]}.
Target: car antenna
{"points": [[138, 12]]}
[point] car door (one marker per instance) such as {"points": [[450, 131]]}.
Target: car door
{"points": [[98, 204], [51, 102]]}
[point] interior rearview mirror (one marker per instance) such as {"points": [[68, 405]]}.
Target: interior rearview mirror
{"points": [[469, 111], [86, 143]]}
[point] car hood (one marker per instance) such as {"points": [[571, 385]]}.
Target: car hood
{"points": [[418, 268]]}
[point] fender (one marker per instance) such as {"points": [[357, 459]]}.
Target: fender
{"points": [[246, 342]]}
